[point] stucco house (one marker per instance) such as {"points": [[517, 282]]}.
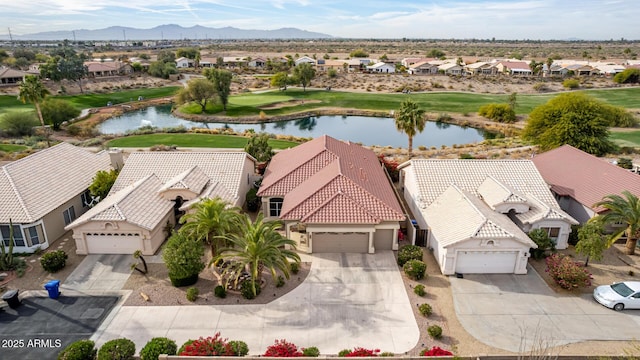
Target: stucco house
{"points": [[423, 68], [474, 214], [10, 76], [579, 180], [183, 63], [45, 191], [333, 196], [152, 190], [382, 67]]}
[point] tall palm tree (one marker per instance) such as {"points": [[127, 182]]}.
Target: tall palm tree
{"points": [[622, 210], [33, 91], [256, 246], [410, 120], [210, 221]]}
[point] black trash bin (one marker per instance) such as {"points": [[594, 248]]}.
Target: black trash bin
{"points": [[11, 297], [53, 287]]}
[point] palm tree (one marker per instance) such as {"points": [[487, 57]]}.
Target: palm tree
{"points": [[256, 246], [211, 220], [622, 210], [33, 91], [410, 120]]}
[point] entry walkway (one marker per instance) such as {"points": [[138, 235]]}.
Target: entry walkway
{"points": [[347, 300], [517, 312]]}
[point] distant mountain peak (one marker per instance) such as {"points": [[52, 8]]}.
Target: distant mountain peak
{"points": [[171, 32]]}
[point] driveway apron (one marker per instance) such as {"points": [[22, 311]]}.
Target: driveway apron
{"points": [[521, 313], [347, 300]]}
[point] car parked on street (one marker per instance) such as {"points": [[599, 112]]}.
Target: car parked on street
{"points": [[619, 296]]}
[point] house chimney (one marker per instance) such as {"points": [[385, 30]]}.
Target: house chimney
{"points": [[117, 159]]}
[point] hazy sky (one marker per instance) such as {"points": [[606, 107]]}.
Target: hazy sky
{"points": [[502, 19]]}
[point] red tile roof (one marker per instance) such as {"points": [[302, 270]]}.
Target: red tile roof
{"points": [[584, 177], [330, 181]]}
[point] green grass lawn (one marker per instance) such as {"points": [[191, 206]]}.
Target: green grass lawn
{"points": [[626, 138], [455, 102], [12, 147], [192, 140], [11, 103]]}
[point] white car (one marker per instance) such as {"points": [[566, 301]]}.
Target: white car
{"points": [[619, 296]]}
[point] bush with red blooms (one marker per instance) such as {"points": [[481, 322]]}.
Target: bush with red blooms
{"points": [[210, 346], [567, 273], [359, 352], [435, 351], [391, 166], [282, 348]]}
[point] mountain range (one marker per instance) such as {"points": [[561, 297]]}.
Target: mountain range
{"points": [[169, 32]]}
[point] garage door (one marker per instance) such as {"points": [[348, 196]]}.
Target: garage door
{"points": [[486, 262], [383, 239], [118, 243], [355, 242]]}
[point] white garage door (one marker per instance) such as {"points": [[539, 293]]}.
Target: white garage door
{"points": [[383, 239], [113, 243], [486, 262], [326, 242]]}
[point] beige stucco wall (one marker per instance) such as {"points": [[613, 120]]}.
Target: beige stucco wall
{"points": [[53, 222]]}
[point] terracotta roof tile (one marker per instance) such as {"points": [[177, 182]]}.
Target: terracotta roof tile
{"points": [[584, 177]]}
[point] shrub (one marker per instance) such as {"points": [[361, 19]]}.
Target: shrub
{"points": [[391, 166], [253, 201], [295, 267], [625, 163], [425, 309], [186, 343], [567, 273], [192, 294], [419, 290], [387, 354], [571, 83], [54, 261], [220, 292], [157, 346], [359, 352], [282, 348], [415, 269], [79, 350], [209, 346], [183, 257], [435, 331], [247, 291], [435, 351], [540, 87], [498, 112], [19, 123], [466, 156], [56, 111], [544, 242], [630, 75], [311, 352], [280, 281], [117, 349], [409, 252], [240, 348]]}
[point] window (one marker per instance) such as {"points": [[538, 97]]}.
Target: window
{"points": [[69, 215], [18, 239], [32, 235], [86, 198], [275, 205], [553, 232]]}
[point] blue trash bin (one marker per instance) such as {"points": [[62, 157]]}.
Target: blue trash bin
{"points": [[53, 287]]}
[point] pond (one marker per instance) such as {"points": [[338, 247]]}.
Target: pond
{"points": [[359, 129]]}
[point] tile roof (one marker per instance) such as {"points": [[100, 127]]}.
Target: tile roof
{"points": [[520, 177], [193, 179], [473, 219], [139, 203], [35, 185], [584, 177], [331, 181], [223, 167]]}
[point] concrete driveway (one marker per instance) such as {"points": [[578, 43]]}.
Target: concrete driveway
{"points": [[517, 312], [347, 300]]}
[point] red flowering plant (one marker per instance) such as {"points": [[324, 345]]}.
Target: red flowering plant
{"points": [[359, 352], [567, 273], [210, 346], [435, 351], [391, 166], [282, 348]]}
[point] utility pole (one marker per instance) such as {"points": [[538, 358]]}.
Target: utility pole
{"points": [[10, 36]]}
